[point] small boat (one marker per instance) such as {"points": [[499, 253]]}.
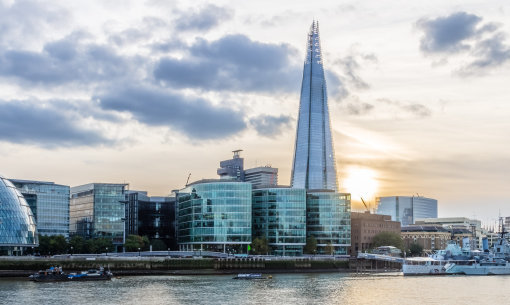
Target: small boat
{"points": [[251, 276], [55, 274]]}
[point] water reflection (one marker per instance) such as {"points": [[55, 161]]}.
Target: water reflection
{"points": [[332, 288]]}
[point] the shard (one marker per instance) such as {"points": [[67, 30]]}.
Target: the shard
{"points": [[314, 158]]}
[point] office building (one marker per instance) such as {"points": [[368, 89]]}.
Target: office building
{"points": [[365, 226], [279, 215], [328, 220], [407, 209], [215, 215], [49, 203], [314, 158], [232, 169], [17, 224], [97, 210], [153, 217], [264, 176]]}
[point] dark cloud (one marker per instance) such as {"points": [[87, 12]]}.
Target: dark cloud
{"points": [[416, 109], [336, 88], [270, 126], [65, 61], [202, 19], [465, 33], [193, 117], [49, 124], [233, 62], [448, 34]]}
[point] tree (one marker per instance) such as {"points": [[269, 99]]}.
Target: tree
{"points": [[311, 245], [415, 249], [329, 249], [51, 245], [135, 242], [78, 244], [388, 239], [260, 245]]}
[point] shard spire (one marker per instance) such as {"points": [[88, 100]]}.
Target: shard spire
{"points": [[314, 157]]}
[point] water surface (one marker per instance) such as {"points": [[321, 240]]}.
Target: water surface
{"points": [[313, 288]]}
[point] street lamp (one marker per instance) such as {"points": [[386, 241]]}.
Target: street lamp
{"points": [[139, 254], [168, 252], [106, 251], [72, 251]]}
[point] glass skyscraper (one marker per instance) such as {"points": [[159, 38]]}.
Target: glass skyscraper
{"points": [[314, 157], [406, 209], [49, 203]]}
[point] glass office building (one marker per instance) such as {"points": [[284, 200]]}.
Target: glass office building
{"points": [[406, 209], [214, 215], [49, 203], [328, 219], [279, 215], [97, 210], [17, 223], [153, 217], [314, 157]]}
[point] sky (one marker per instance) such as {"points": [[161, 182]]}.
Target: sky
{"points": [[147, 92]]}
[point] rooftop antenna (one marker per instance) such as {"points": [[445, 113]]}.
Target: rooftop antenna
{"points": [[236, 153]]}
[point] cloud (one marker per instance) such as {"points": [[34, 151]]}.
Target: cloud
{"points": [[416, 109], [49, 124], [270, 126], [448, 34], [65, 61], [233, 62], [461, 32], [359, 108], [194, 117], [202, 19]]}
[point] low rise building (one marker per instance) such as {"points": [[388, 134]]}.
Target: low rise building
{"points": [[364, 226], [462, 227], [430, 237]]}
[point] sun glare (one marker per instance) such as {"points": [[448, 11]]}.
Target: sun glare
{"points": [[360, 182]]}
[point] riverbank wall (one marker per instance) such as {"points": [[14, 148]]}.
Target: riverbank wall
{"points": [[177, 266]]}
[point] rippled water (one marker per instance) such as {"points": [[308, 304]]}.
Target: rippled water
{"points": [[326, 288]]}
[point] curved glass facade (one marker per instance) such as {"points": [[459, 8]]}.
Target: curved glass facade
{"points": [[328, 219], [17, 224], [215, 216], [279, 214], [314, 157]]}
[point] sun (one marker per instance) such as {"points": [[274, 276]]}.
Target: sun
{"points": [[361, 182]]}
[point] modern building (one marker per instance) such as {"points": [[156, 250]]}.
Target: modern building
{"points": [[407, 209], [232, 168], [279, 215], [430, 237], [263, 176], [365, 226], [49, 203], [17, 224], [97, 210], [153, 217], [328, 220], [314, 158], [215, 215]]}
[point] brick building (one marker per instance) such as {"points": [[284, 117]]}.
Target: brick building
{"points": [[364, 226]]}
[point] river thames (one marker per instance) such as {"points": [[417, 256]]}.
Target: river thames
{"points": [[312, 288]]}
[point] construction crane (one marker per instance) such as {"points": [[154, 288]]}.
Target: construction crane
{"points": [[366, 207], [188, 179]]}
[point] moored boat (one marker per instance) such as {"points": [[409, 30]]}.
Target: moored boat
{"points": [[251, 276], [55, 274]]}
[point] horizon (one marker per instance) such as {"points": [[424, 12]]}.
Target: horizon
{"points": [[147, 93]]}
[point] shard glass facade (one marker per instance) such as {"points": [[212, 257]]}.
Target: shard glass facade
{"points": [[314, 157]]}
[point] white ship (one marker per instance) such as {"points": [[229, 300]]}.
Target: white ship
{"points": [[435, 264]]}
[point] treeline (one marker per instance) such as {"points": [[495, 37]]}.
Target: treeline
{"points": [[58, 244]]}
